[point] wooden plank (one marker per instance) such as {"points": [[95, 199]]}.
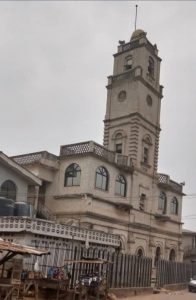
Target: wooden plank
{"points": [[88, 261]]}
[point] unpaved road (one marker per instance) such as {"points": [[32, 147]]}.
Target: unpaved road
{"points": [[179, 295]]}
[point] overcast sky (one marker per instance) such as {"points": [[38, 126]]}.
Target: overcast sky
{"points": [[54, 61]]}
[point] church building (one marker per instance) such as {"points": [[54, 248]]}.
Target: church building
{"points": [[113, 192]]}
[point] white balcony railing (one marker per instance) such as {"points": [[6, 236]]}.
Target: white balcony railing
{"points": [[49, 228], [165, 180]]}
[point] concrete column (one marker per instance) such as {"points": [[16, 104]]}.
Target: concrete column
{"points": [[36, 196]]}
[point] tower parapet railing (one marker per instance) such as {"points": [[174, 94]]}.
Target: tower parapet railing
{"points": [[165, 180], [74, 149], [96, 149], [36, 157]]}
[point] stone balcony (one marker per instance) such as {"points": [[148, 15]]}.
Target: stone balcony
{"points": [[93, 148], [165, 182], [53, 229]]}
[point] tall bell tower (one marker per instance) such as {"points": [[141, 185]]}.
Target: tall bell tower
{"points": [[132, 120]]}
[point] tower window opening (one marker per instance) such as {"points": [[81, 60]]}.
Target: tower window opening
{"points": [[119, 142], [142, 202], [128, 63], [146, 147], [151, 66], [146, 155], [119, 148]]}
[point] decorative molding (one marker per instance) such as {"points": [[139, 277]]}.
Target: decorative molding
{"points": [[131, 238], [152, 243]]}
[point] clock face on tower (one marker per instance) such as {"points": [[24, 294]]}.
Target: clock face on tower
{"points": [[122, 96]]}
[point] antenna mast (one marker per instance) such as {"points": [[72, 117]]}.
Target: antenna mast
{"points": [[136, 15]]}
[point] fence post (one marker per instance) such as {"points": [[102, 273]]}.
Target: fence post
{"points": [[154, 279]]}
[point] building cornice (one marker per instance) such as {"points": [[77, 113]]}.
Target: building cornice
{"points": [[135, 44], [112, 220], [133, 78], [133, 115], [124, 201]]}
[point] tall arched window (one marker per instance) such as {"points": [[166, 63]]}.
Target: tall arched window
{"points": [[8, 189], [120, 186], [151, 66], [174, 206], [157, 256], [172, 255], [119, 138], [72, 175], [101, 179], [162, 204]]}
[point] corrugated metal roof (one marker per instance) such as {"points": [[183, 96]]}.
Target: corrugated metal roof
{"points": [[20, 249]]}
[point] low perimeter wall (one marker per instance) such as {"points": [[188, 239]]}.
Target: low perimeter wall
{"points": [[127, 292], [175, 286]]}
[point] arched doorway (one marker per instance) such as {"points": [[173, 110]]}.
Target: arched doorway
{"points": [[172, 255], [140, 252]]}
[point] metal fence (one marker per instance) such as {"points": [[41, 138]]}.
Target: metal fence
{"points": [[124, 270], [130, 271], [170, 272]]}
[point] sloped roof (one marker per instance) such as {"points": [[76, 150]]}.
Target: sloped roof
{"points": [[20, 249], [188, 232], [30, 177]]}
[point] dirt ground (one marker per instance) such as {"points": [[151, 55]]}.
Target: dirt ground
{"points": [[165, 295]]}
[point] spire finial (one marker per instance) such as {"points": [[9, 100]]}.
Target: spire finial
{"points": [[136, 15]]}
